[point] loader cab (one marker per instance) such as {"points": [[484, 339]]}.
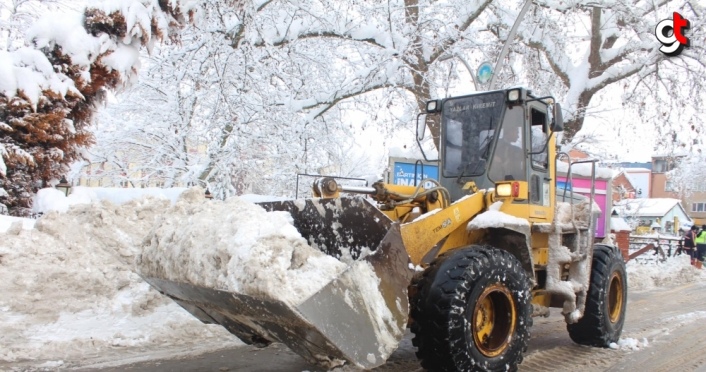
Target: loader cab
{"points": [[498, 137]]}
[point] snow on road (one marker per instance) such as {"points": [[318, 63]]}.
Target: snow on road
{"points": [[655, 274], [70, 290]]}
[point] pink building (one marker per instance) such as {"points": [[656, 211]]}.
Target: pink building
{"points": [[581, 184]]}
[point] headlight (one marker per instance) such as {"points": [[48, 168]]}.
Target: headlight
{"points": [[507, 189], [513, 95], [503, 189]]}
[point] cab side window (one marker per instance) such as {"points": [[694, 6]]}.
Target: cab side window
{"points": [[538, 120], [509, 158]]}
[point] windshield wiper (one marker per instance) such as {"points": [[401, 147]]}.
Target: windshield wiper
{"points": [[473, 171], [486, 141]]}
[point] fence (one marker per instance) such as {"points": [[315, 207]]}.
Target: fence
{"points": [[654, 247]]}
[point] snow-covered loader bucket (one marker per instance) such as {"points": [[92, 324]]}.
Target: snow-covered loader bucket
{"points": [[359, 317]]}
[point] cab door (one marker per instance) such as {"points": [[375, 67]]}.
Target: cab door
{"points": [[538, 169]]}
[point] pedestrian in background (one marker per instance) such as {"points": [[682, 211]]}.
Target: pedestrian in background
{"points": [[690, 243], [700, 244]]}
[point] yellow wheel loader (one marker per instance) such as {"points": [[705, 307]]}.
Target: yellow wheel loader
{"points": [[466, 261]]}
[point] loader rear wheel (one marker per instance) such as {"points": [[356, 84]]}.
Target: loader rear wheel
{"points": [[472, 311], [604, 315]]}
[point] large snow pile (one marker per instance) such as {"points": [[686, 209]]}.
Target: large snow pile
{"points": [[70, 291], [236, 246], [51, 199], [653, 274], [7, 221]]}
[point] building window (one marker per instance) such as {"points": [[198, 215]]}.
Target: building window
{"points": [[663, 165], [647, 223], [659, 166], [669, 186], [698, 207]]}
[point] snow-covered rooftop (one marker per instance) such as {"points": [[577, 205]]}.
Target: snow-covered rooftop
{"points": [[654, 207], [630, 178], [619, 224], [584, 170], [636, 170]]}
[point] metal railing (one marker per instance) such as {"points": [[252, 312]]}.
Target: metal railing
{"points": [[569, 181]]}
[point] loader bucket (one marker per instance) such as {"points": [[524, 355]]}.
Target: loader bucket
{"points": [[337, 324]]}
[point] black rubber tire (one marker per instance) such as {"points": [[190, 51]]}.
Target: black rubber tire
{"points": [[595, 328], [445, 298]]}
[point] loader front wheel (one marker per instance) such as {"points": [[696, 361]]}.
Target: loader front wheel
{"points": [[603, 318], [472, 311]]}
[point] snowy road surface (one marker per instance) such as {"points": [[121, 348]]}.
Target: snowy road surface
{"points": [[665, 331]]}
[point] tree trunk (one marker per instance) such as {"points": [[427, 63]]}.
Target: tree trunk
{"points": [[574, 125], [419, 68]]}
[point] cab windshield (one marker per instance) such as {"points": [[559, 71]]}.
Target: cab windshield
{"points": [[469, 125]]}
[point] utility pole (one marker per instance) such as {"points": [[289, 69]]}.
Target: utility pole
{"points": [[510, 37]]}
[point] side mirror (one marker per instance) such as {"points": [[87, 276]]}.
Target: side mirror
{"points": [[558, 119], [421, 126], [421, 132]]}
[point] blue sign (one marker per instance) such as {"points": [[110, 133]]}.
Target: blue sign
{"points": [[403, 173], [484, 73], [563, 185]]}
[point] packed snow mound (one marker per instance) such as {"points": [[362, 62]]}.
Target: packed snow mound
{"points": [[629, 344], [70, 290], [236, 246], [239, 247], [494, 218], [51, 199], [568, 213], [6, 222], [653, 274]]}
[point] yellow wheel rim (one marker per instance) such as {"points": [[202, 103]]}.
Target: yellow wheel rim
{"points": [[493, 320], [615, 297]]}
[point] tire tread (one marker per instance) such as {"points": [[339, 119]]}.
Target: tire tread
{"points": [[440, 341], [593, 329]]}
